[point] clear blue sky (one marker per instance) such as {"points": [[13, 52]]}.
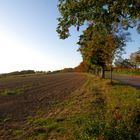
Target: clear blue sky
{"points": [[28, 38]]}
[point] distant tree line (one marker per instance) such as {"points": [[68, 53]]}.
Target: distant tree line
{"points": [[19, 73]]}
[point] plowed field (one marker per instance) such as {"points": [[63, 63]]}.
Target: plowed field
{"points": [[35, 92], [24, 96]]}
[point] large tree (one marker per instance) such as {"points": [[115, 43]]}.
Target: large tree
{"points": [[105, 21]]}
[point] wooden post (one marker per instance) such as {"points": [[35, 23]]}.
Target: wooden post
{"points": [[111, 69]]}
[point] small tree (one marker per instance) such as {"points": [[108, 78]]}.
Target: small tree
{"points": [[135, 58], [123, 63]]}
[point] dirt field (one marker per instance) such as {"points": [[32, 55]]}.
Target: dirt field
{"points": [[38, 92]]}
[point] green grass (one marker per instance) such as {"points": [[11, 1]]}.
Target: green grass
{"points": [[96, 111], [8, 92], [13, 92], [4, 119]]}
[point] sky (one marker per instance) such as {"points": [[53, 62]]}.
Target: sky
{"points": [[28, 38]]}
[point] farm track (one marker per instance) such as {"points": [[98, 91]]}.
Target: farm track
{"points": [[133, 81], [42, 91]]}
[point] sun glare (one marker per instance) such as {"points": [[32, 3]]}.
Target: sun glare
{"points": [[14, 53]]}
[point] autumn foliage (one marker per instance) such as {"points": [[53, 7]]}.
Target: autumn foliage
{"points": [[81, 67]]}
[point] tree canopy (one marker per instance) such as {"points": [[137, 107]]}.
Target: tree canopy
{"points": [[112, 13]]}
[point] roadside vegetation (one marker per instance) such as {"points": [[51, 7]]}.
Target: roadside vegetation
{"points": [[97, 110]]}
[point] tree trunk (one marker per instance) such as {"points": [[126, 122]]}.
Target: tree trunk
{"points": [[111, 74]]}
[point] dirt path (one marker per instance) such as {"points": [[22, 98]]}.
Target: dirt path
{"points": [[130, 80]]}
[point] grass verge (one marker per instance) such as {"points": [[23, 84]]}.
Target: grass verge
{"points": [[96, 111]]}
